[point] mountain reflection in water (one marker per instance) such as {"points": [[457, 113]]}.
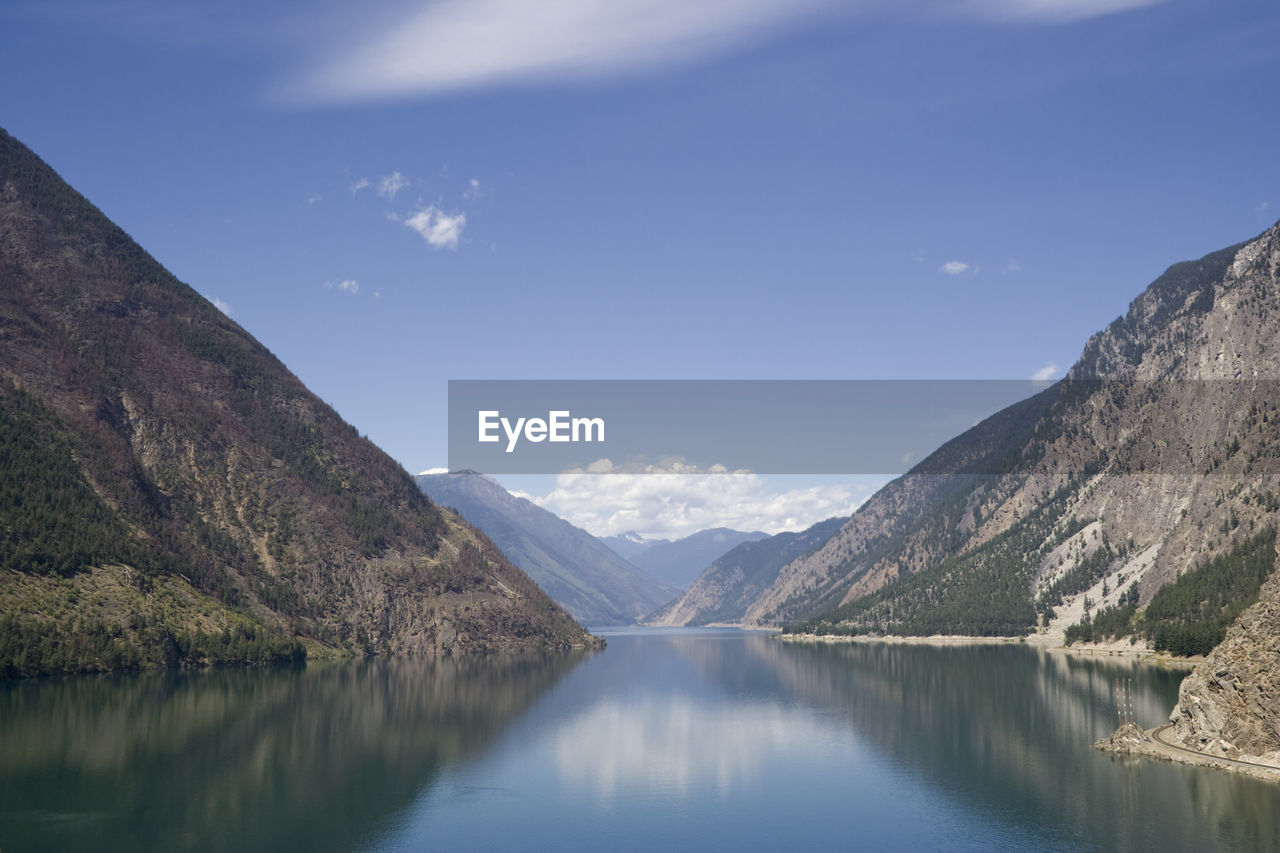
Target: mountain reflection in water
{"points": [[694, 739], [245, 759]]}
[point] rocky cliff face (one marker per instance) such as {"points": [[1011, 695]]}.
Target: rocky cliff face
{"points": [[169, 488], [1230, 704]]}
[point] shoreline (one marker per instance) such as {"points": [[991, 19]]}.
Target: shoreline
{"points": [[1138, 653], [1150, 743]]}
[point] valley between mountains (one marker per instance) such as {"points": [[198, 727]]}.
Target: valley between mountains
{"points": [[171, 495]]}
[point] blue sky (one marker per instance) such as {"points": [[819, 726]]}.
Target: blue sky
{"points": [[393, 194]]}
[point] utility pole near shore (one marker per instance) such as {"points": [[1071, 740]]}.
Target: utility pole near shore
{"points": [[1122, 689]]}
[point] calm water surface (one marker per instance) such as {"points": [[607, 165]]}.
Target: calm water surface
{"points": [[669, 740]]}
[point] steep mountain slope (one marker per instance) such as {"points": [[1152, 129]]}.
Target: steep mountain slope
{"points": [[723, 592], [588, 579], [1156, 454], [679, 562], [169, 491], [1230, 704]]}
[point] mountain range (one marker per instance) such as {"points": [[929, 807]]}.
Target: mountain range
{"points": [[592, 582], [722, 593], [171, 493], [678, 562], [628, 544]]}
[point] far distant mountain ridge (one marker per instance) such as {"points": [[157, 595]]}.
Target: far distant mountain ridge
{"points": [[678, 563], [630, 544], [723, 592]]}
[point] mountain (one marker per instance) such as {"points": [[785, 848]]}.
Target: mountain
{"points": [[1155, 457], [1139, 498], [678, 563], [723, 592], [589, 580], [171, 493], [630, 544]]}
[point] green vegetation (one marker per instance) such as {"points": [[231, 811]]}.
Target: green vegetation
{"points": [[1082, 576], [78, 645], [51, 521], [1108, 624], [984, 591], [115, 618], [1190, 616]]}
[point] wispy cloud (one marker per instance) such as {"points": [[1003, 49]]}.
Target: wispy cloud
{"points": [[391, 184], [221, 306], [955, 268], [1052, 11], [313, 198], [472, 192], [1012, 266], [453, 45], [358, 185], [441, 230], [463, 44]]}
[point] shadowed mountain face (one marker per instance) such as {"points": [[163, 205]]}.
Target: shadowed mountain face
{"points": [[171, 491], [723, 592], [588, 579]]}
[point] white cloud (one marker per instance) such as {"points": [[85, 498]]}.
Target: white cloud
{"points": [[1045, 373], [356, 186], [463, 44], [349, 286], [434, 471], [955, 268], [392, 184], [424, 48], [687, 746], [221, 306], [442, 230], [472, 192], [313, 198], [1013, 266], [1052, 11], [675, 499]]}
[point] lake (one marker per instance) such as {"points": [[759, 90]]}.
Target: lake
{"points": [[707, 740]]}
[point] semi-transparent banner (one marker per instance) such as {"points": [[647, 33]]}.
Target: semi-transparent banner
{"points": [[881, 427], [765, 426]]}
